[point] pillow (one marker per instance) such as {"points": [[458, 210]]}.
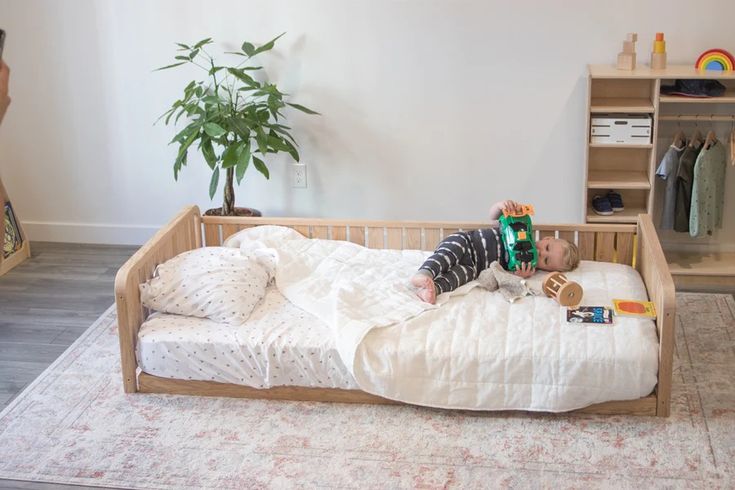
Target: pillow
{"points": [[264, 236], [217, 283]]}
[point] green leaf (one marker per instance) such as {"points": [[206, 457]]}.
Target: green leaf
{"points": [[229, 157], [193, 54], [262, 141], [169, 66], [251, 68], [215, 69], [203, 42], [211, 99], [243, 160], [267, 46], [238, 73], [303, 109], [182, 46], [260, 166], [208, 152], [214, 183], [248, 48], [213, 129]]}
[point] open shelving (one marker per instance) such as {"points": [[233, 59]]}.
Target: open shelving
{"points": [[630, 169]]}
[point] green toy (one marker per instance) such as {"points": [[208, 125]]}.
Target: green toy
{"points": [[517, 235]]}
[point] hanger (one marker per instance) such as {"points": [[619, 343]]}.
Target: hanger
{"points": [[696, 140], [679, 137], [710, 140]]}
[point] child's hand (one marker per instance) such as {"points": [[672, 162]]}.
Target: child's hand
{"points": [[525, 270], [511, 206], [508, 205]]}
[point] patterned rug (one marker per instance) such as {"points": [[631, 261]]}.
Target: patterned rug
{"points": [[75, 425]]}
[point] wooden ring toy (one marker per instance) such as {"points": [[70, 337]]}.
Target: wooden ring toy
{"points": [[565, 292]]}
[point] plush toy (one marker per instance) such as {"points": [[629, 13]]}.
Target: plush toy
{"points": [[517, 233]]}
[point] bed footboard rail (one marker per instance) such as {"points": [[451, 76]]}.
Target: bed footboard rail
{"points": [[181, 234], [653, 268]]}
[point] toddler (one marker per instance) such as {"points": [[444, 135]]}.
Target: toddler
{"points": [[460, 257]]}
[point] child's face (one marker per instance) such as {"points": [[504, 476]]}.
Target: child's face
{"points": [[550, 254]]}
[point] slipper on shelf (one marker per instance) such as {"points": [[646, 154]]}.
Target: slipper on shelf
{"points": [[616, 201], [601, 205]]}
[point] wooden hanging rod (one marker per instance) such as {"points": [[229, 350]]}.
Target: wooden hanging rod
{"points": [[698, 117]]}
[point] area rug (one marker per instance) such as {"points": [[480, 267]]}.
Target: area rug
{"points": [[75, 425]]}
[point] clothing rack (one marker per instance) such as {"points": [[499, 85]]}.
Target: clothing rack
{"points": [[698, 117]]}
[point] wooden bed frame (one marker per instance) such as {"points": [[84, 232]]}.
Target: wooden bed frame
{"points": [[636, 245]]}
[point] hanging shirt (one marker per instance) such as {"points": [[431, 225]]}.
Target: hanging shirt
{"points": [[708, 191], [684, 179], [667, 170]]}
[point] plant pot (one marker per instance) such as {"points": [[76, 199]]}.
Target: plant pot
{"points": [[247, 212]]}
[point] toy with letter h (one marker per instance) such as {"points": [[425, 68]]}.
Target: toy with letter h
{"points": [[518, 237]]}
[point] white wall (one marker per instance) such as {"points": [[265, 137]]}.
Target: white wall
{"points": [[431, 109]]}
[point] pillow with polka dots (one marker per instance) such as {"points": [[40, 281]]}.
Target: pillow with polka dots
{"points": [[218, 283]]}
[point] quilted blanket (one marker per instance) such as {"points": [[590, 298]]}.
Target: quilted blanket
{"points": [[473, 350]]}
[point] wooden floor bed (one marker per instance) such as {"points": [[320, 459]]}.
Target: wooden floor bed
{"points": [[637, 245]]}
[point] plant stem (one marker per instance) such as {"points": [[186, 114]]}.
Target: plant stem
{"points": [[228, 206]]}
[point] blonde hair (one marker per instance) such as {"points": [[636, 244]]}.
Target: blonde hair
{"points": [[571, 256]]}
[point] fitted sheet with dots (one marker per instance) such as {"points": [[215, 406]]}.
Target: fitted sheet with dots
{"points": [[279, 345]]}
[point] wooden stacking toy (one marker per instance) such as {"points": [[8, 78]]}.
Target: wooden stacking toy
{"points": [[658, 55], [626, 58], [565, 292]]}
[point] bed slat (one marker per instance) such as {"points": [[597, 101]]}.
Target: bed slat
{"points": [[395, 238], [586, 245], [605, 247], [432, 237], [339, 233], [375, 237], [624, 247], [211, 235], [413, 239], [357, 235]]}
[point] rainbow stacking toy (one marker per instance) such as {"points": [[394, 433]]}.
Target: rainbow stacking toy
{"points": [[715, 59]]}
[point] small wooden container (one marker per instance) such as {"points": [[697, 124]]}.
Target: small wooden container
{"points": [[565, 292]]}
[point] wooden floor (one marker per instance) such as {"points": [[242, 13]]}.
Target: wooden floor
{"points": [[45, 304]]}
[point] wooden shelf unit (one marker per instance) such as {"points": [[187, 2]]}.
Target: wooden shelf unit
{"points": [[25, 251], [630, 169]]}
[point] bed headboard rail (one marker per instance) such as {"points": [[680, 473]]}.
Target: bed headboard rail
{"points": [[181, 234], [603, 242]]}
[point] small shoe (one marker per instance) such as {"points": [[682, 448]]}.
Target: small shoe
{"points": [[616, 201], [601, 205]]}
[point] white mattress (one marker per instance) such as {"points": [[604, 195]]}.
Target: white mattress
{"points": [[529, 360], [279, 344]]}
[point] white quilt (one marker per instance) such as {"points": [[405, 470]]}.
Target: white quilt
{"points": [[473, 350]]}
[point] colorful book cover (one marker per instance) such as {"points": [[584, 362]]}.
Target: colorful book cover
{"points": [[634, 308], [600, 315]]}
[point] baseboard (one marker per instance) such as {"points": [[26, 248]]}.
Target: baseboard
{"points": [[42, 231]]}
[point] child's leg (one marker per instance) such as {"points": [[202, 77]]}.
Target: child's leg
{"points": [[448, 253], [455, 277]]}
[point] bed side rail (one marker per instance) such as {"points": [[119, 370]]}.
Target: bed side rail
{"points": [[181, 234], [601, 242], [655, 272]]}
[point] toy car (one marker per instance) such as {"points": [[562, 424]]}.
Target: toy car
{"points": [[517, 235]]}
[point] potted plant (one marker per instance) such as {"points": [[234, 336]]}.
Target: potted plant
{"points": [[233, 117]]}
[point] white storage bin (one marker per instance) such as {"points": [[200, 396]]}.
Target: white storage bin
{"points": [[621, 129]]}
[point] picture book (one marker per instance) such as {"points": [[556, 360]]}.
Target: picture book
{"points": [[12, 241], [634, 308], [600, 315]]}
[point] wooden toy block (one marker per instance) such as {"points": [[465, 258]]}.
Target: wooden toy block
{"points": [[632, 37], [628, 47], [626, 61], [658, 61]]}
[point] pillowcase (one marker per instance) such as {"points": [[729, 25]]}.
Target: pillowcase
{"points": [[217, 283], [263, 236]]}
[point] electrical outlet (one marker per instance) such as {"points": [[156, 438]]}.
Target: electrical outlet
{"points": [[299, 175]]}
